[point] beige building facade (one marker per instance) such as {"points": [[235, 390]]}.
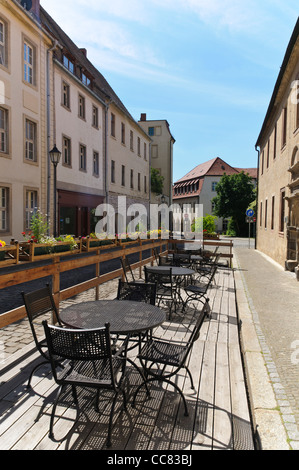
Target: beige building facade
{"points": [[24, 59], [278, 148], [161, 154], [51, 94]]}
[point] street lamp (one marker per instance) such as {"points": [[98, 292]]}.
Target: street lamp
{"points": [[55, 155]]}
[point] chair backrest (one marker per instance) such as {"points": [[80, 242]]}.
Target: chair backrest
{"points": [[158, 277], [137, 291], [127, 268], [79, 345], [194, 334], [38, 303], [164, 261], [181, 259], [156, 255]]}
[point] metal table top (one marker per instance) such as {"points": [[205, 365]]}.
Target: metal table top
{"points": [[175, 270], [124, 316]]}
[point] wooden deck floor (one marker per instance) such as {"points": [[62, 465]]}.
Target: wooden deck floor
{"points": [[218, 418]]}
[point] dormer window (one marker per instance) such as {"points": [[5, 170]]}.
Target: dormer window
{"points": [[68, 64], [85, 79]]}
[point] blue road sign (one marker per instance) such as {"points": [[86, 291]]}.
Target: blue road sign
{"points": [[250, 212]]}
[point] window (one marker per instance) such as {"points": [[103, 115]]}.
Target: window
{"points": [[3, 130], [154, 151], [262, 162], [151, 131], [123, 175], [82, 157], [112, 171], [95, 117], [131, 141], [30, 141], [261, 214], [138, 146], [123, 135], [145, 184], [3, 43], [139, 180], [268, 153], [66, 95], [68, 64], [81, 107], [66, 151], [132, 179], [272, 212], [31, 206], [266, 210], [96, 169], [4, 209], [85, 79], [275, 141], [113, 125], [214, 184], [145, 151], [282, 210], [29, 63], [284, 127]]}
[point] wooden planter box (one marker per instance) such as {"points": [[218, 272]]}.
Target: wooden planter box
{"points": [[93, 244], [30, 251], [9, 254], [210, 236]]}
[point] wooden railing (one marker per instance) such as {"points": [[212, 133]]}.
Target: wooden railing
{"points": [[58, 266]]}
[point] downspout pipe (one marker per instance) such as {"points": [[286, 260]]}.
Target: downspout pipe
{"points": [[257, 192], [107, 104], [55, 45]]}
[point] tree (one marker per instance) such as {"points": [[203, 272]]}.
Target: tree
{"points": [[157, 181], [234, 195]]}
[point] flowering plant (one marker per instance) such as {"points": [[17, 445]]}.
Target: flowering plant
{"points": [[2, 244], [67, 239]]}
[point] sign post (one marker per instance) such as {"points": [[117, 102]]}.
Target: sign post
{"points": [[249, 220]]}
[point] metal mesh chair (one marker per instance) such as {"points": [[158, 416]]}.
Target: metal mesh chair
{"points": [[39, 303], [90, 363], [166, 290], [127, 269], [198, 291], [165, 260], [182, 260], [162, 360], [137, 291]]}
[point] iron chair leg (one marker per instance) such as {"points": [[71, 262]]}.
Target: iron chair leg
{"points": [[33, 370]]}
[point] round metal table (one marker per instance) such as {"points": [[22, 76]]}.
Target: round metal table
{"points": [[176, 271], [125, 316]]}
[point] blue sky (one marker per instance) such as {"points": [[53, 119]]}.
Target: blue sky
{"points": [[206, 66]]}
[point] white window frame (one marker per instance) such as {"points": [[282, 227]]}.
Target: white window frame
{"points": [[4, 147], [4, 209], [29, 62], [31, 204], [30, 141]]}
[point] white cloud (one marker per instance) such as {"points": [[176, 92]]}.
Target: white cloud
{"points": [[235, 15]]}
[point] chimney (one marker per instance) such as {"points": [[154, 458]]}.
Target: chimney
{"points": [[143, 117], [84, 51], [35, 9]]}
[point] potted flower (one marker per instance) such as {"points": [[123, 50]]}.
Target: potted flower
{"points": [[38, 243]]}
